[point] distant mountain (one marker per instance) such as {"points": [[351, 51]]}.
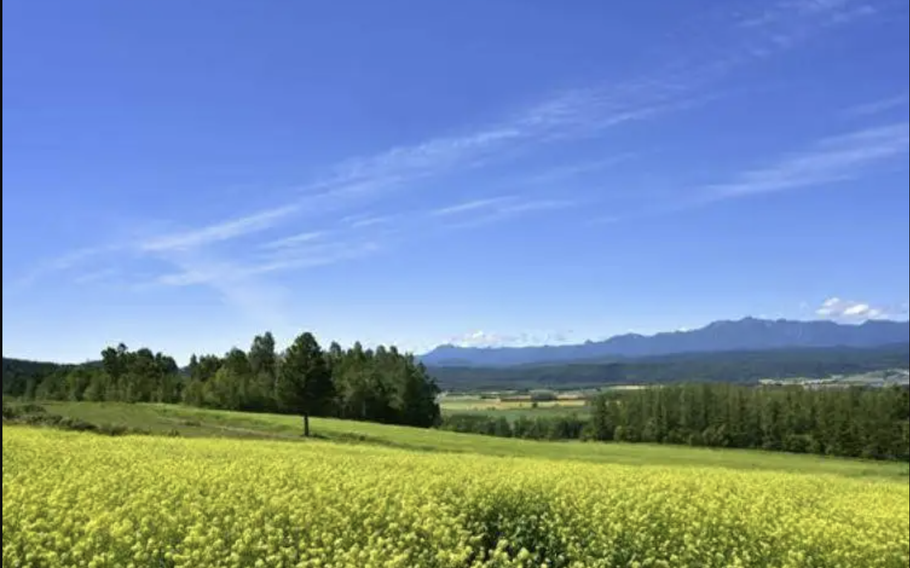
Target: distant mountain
{"points": [[745, 367], [748, 334]]}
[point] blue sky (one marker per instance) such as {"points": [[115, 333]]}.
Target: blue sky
{"points": [[184, 175]]}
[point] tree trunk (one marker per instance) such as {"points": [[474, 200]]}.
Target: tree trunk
{"points": [[306, 425]]}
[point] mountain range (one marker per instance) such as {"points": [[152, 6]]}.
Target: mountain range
{"points": [[748, 334]]}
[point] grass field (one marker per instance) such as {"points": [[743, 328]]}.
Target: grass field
{"points": [[196, 423], [512, 408]]}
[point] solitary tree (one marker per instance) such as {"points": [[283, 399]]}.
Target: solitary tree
{"points": [[304, 381]]}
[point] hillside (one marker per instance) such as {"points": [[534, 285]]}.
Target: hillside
{"points": [[748, 334], [733, 366], [164, 420]]}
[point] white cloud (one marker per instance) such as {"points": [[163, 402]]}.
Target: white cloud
{"points": [[484, 339], [849, 310], [830, 160]]}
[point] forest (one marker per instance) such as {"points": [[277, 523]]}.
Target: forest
{"points": [[870, 423], [381, 385]]}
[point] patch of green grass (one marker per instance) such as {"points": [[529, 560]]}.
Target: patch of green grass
{"points": [[512, 410], [157, 420], [195, 422]]}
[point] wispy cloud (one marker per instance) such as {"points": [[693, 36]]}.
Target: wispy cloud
{"points": [[792, 13], [292, 256], [563, 173], [371, 222], [427, 158], [77, 257], [295, 240], [571, 115], [484, 211], [324, 256], [830, 160], [66, 262], [259, 301], [539, 205], [565, 115], [219, 232], [879, 106], [827, 161], [742, 34], [470, 206], [95, 276]]}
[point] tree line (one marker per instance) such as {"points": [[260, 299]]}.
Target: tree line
{"points": [[855, 422], [866, 423], [381, 385], [552, 428]]}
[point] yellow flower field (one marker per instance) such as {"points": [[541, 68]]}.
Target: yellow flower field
{"points": [[84, 500]]}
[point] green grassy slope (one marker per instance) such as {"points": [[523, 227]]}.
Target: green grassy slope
{"points": [[194, 422]]}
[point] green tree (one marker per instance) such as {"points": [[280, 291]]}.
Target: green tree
{"points": [[77, 382], [98, 387], [263, 363], [197, 391], [304, 382]]}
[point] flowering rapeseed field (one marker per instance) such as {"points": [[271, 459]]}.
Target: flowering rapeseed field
{"points": [[84, 500]]}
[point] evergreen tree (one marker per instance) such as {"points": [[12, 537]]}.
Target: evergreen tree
{"points": [[304, 382]]}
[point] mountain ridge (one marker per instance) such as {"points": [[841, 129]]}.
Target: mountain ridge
{"points": [[746, 334]]}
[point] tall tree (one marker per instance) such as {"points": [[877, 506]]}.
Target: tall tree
{"points": [[77, 382], [263, 363], [304, 381]]}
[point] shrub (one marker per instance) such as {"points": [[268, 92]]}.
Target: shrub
{"points": [[10, 412], [799, 444], [112, 429], [77, 425], [31, 408]]}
